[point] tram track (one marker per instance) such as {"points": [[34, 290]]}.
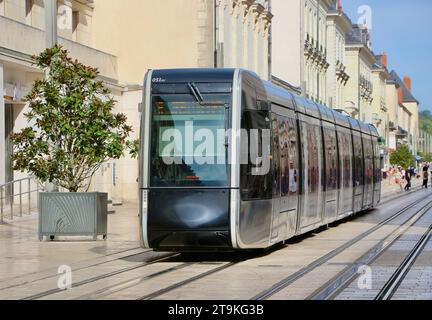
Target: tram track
{"points": [[124, 285], [392, 285], [74, 269], [287, 281], [338, 283], [99, 277], [129, 283], [187, 281]]}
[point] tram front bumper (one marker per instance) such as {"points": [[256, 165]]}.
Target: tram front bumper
{"points": [[188, 219]]}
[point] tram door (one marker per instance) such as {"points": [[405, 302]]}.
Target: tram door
{"points": [[285, 173], [358, 171], [276, 168], [312, 162]]}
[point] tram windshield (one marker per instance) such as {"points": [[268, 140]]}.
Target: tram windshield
{"points": [[188, 140]]}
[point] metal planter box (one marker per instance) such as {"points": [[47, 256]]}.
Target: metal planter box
{"points": [[73, 214]]}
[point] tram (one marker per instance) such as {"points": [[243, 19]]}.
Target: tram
{"points": [[229, 161]]}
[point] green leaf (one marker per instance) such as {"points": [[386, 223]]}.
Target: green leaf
{"points": [[75, 128]]}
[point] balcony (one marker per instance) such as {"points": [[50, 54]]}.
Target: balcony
{"points": [[19, 41], [401, 133], [315, 52], [377, 119]]}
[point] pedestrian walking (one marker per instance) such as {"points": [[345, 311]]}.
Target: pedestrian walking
{"points": [[398, 178], [408, 180], [425, 177]]}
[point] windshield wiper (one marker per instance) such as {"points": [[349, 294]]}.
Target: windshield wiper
{"points": [[198, 96], [194, 93], [197, 92]]}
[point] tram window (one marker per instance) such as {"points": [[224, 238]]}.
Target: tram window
{"points": [[358, 160], [182, 161], [368, 156], [311, 157], [377, 162], [331, 158], [278, 153], [293, 156], [255, 187], [284, 155], [345, 148]]}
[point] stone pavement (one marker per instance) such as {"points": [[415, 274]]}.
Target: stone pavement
{"points": [[22, 253], [389, 187], [28, 266]]}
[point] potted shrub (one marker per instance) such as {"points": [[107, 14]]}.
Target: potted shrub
{"points": [[72, 131]]}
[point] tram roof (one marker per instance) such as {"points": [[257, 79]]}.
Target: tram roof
{"points": [[278, 94], [193, 75]]}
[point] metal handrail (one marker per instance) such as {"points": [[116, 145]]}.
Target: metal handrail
{"points": [[4, 197]]}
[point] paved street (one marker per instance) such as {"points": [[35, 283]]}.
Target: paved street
{"points": [[119, 269]]}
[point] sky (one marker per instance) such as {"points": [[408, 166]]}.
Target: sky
{"points": [[403, 30]]}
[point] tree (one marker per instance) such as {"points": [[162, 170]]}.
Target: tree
{"points": [[402, 157], [426, 157], [74, 128], [426, 121]]}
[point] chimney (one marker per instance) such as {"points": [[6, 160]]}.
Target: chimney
{"points": [[407, 81], [400, 95], [339, 7], [384, 60]]}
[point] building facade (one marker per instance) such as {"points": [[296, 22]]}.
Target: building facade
{"points": [[300, 45], [338, 25], [243, 35], [123, 39], [360, 60], [308, 46], [425, 143], [393, 111], [22, 23], [408, 114]]}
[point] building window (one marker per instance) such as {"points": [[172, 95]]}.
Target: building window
{"points": [[75, 22], [28, 8]]}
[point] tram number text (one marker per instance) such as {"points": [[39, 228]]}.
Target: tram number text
{"points": [[222, 309]]}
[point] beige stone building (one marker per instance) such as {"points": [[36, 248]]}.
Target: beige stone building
{"points": [[393, 111], [403, 113], [22, 27], [360, 60], [300, 41], [410, 115], [425, 143], [338, 25], [123, 39], [379, 107]]}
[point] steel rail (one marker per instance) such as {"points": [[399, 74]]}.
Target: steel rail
{"points": [[97, 278], [187, 281], [333, 287], [392, 285], [265, 294], [77, 269]]}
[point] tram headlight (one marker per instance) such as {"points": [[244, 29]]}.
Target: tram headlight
{"points": [[144, 202], [143, 218]]}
